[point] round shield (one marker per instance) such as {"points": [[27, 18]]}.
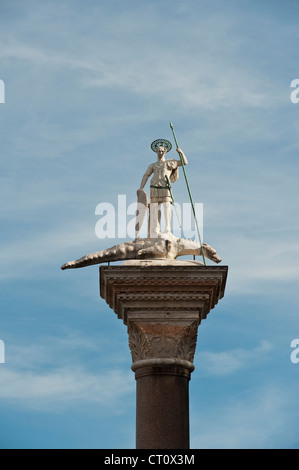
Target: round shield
{"points": [[142, 205]]}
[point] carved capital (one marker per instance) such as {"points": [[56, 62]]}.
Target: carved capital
{"points": [[148, 340], [162, 307]]}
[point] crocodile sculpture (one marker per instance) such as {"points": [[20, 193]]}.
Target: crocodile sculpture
{"points": [[167, 246]]}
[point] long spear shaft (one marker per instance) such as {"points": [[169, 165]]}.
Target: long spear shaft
{"points": [[189, 192]]}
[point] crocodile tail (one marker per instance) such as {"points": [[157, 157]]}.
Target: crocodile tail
{"points": [[88, 260], [116, 253]]}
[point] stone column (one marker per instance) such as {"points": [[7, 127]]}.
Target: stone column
{"points": [[162, 307]]}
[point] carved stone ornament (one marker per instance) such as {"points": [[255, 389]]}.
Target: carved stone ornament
{"points": [[162, 307], [158, 340]]}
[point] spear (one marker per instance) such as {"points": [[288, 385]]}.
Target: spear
{"points": [[189, 192]]}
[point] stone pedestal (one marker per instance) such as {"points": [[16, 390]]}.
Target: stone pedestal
{"points": [[162, 307]]}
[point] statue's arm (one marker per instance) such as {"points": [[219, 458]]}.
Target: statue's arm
{"points": [[146, 176], [183, 156]]}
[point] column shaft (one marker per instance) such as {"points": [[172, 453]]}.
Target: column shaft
{"points": [[162, 408]]}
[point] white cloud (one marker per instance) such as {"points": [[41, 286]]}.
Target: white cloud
{"points": [[211, 78], [41, 255], [197, 83], [229, 362], [45, 58], [51, 373], [256, 265], [260, 419], [64, 387]]}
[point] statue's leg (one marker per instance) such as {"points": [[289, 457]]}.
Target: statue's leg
{"points": [[167, 216], [154, 220], [149, 222], [159, 216]]}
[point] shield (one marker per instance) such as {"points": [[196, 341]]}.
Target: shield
{"points": [[142, 205]]}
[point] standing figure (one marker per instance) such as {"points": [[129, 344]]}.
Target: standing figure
{"points": [[163, 170]]}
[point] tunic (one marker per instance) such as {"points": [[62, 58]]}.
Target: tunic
{"points": [[159, 189]]}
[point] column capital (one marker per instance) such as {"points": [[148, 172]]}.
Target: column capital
{"points": [[162, 307]]}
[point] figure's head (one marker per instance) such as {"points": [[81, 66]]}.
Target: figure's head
{"points": [[161, 151]]}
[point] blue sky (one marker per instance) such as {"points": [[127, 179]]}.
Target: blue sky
{"points": [[88, 86]]}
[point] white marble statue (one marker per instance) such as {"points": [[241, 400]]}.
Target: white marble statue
{"points": [[163, 171], [166, 249], [158, 248]]}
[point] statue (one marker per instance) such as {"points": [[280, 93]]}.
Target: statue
{"points": [[161, 248], [164, 171], [167, 248]]}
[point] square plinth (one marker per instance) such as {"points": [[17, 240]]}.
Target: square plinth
{"points": [[155, 290]]}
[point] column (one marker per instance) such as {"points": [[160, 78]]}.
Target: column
{"points": [[162, 307]]}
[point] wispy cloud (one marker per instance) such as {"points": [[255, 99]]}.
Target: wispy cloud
{"points": [[64, 387], [259, 420], [43, 57], [258, 263], [52, 373], [198, 80], [231, 361], [42, 249]]}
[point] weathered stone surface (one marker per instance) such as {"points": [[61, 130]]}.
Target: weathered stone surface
{"points": [[166, 247], [162, 306], [159, 290]]}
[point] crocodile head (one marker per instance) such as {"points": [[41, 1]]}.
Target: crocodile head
{"points": [[210, 253], [192, 247]]}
